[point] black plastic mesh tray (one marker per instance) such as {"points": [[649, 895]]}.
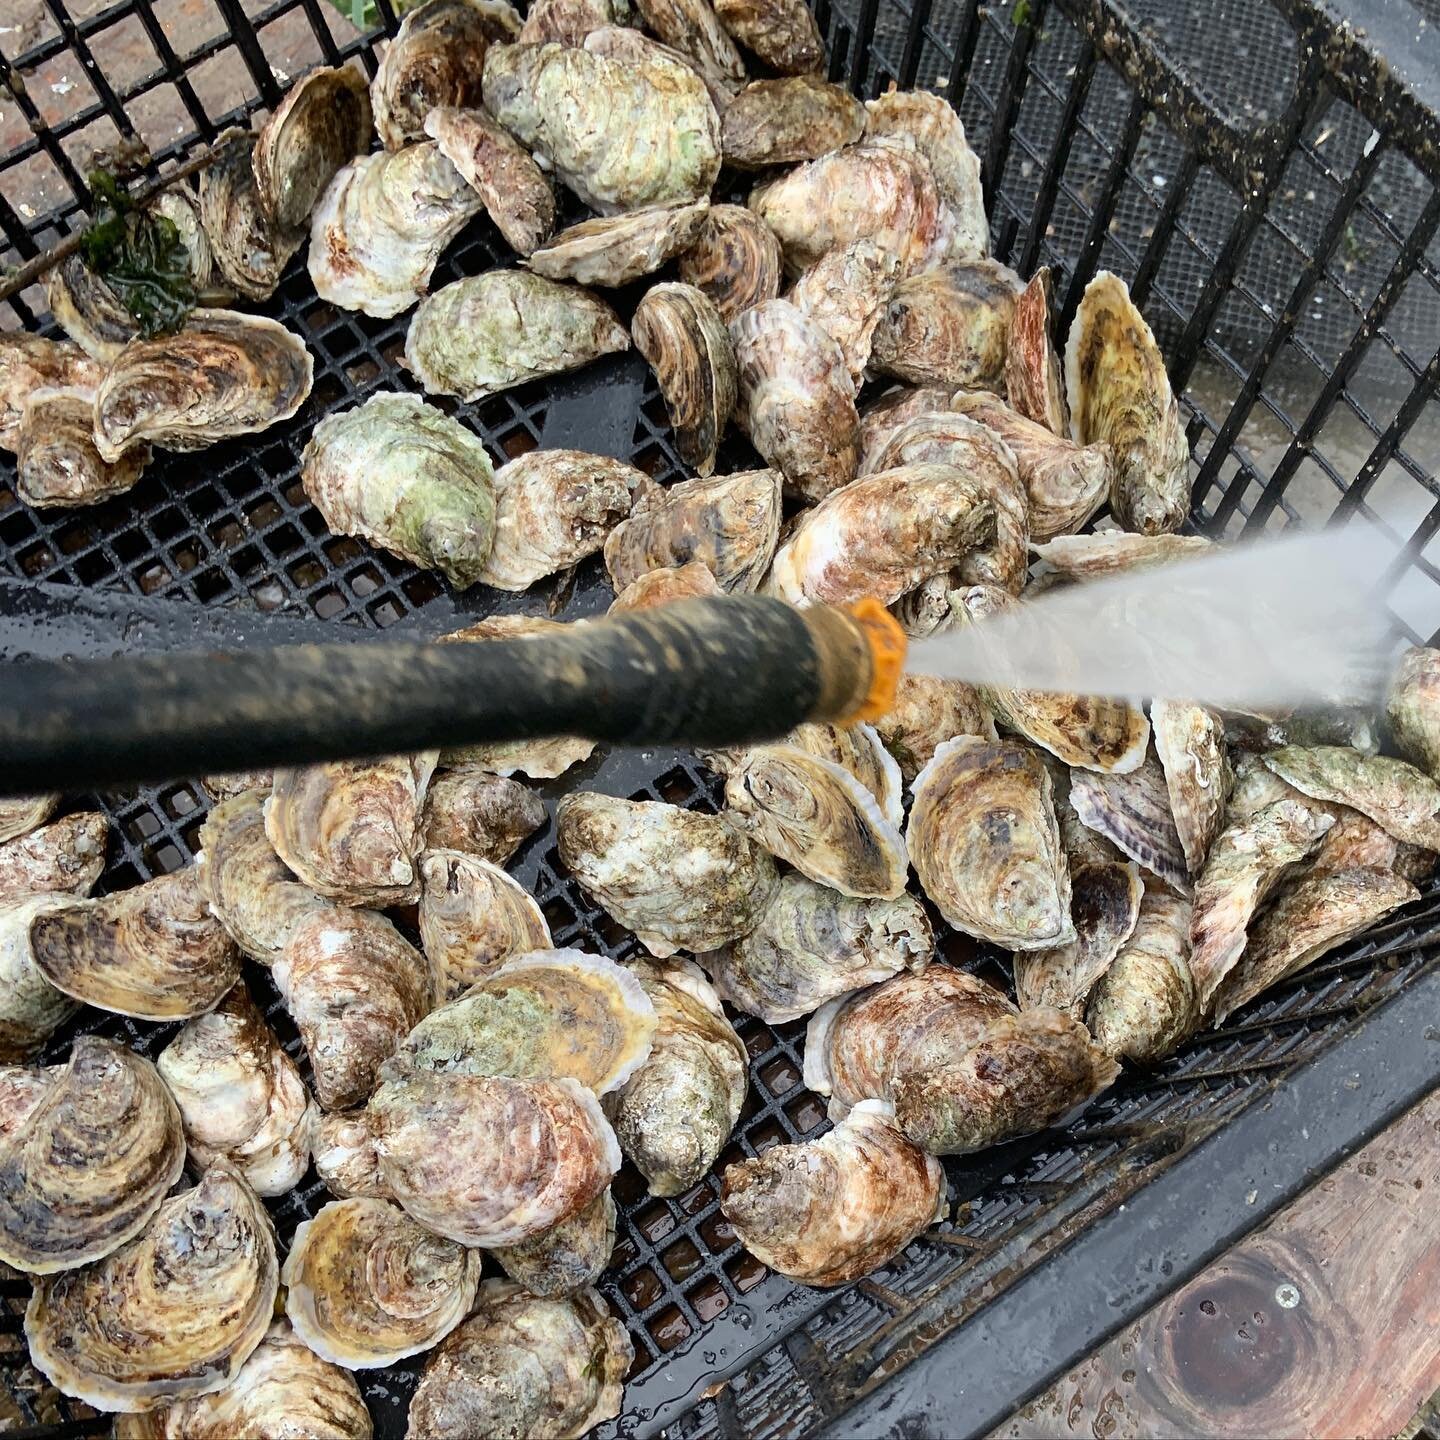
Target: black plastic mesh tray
{"points": [[1247, 265]]}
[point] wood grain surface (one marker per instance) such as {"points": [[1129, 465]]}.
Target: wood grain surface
{"points": [[1326, 1322]]}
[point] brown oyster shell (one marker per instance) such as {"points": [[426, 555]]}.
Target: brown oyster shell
{"points": [[31, 1008], [1132, 811], [782, 33], [249, 250], [31, 362], [631, 47], [568, 1256], [1113, 552], [568, 22], [928, 711], [65, 857], [88, 310], [659, 587], [613, 250], [1190, 744], [735, 260], [1397, 796], [692, 28], [485, 815], [845, 294], [1413, 708], [345, 1155], [785, 121], [56, 462], [1034, 380], [880, 419]]}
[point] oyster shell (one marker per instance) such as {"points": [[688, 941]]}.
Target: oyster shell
{"points": [[948, 326], [180, 205], [680, 333], [484, 815], [542, 1015], [248, 248], [1113, 552], [1144, 1004], [796, 401], [56, 462], [882, 535], [1190, 743], [223, 374], [582, 112], [1413, 708], [88, 310], [1120, 394], [818, 817], [512, 187], [1034, 383], [236, 782], [381, 225], [474, 917], [1246, 864], [353, 829], [568, 1256], [678, 879], [284, 1389], [436, 58], [173, 1314], [1397, 796], [782, 33], [539, 759], [813, 944], [1066, 483], [728, 523], [366, 1286], [630, 47], [1132, 810], [31, 1008], [784, 121], [488, 1160], [345, 1155], [735, 260], [845, 294], [926, 610], [322, 123], [831, 1210], [881, 418], [986, 844], [659, 587], [928, 711], [691, 28], [64, 857], [568, 22], [91, 1162], [355, 988], [29, 363], [241, 1098], [490, 332], [881, 189], [524, 1366], [552, 509], [1356, 842], [989, 464], [613, 250]]}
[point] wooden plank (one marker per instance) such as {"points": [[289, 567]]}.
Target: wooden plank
{"points": [[1325, 1322]]}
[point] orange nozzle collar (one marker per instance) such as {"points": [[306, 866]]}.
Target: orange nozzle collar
{"points": [[886, 641]]}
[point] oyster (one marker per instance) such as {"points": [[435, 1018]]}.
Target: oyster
{"points": [[831, 1210], [582, 113], [322, 123], [180, 205], [1144, 1004], [1112, 552], [678, 879], [366, 1286], [241, 1098], [926, 610], [91, 1162], [1132, 810], [781, 122], [222, 375], [1066, 483], [436, 58], [524, 1366], [29, 363], [613, 250], [660, 587], [88, 310], [540, 759], [248, 248], [355, 988], [20, 814], [1413, 708], [353, 829], [542, 1015], [1120, 394], [236, 782], [882, 535], [682, 337], [473, 917], [31, 1008], [949, 326], [1356, 842], [484, 815], [1034, 384], [881, 418], [676, 1112], [488, 1160], [64, 857], [820, 818], [691, 28], [56, 462], [881, 189], [1190, 742], [489, 332], [284, 1389], [986, 844], [568, 22], [989, 465], [552, 509], [630, 47], [796, 401], [173, 1314], [1247, 862], [735, 260], [381, 225], [1397, 796], [568, 1256], [782, 33], [345, 1155], [729, 523], [813, 944], [513, 188], [928, 711], [845, 294]]}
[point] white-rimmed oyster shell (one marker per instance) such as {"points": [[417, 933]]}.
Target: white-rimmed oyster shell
{"points": [[691, 581], [1190, 744], [1034, 381], [29, 363], [568, 1256], [845, 294], [1132, 810], [56, 461], [1113, 552], [613, 250]]}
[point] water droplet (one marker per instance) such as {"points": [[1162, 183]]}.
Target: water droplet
{"points": [[1207, 1307], [1287, 1297]]}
